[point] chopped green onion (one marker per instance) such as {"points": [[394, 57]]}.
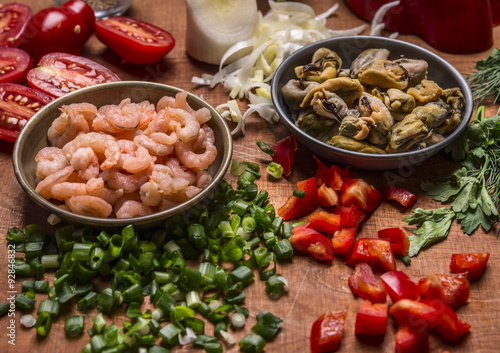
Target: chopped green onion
{"points": [[98, 323], [74, 325], [193, 299], [132, 293], [240, 207], [158, 349], [109, 300], [252, 344], [15, 235], [52, 307], [232, 251], [96, 258], [283, 249], [242, 274], [170, 333], [90, 299], [4, 308], [197, 236], [189, 280], [276, 285], [38, 268], [98, 343], [43, 324], [37, 286], [267, 149], [116, 246], [25, 301], [245, 179], [238, 320], [81, 252], [33, 249], [267, 325], [275, 170], [299, 193], [249, 224]]}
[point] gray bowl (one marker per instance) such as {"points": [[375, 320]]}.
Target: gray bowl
{"points": [[348, 48], [33, 137]]}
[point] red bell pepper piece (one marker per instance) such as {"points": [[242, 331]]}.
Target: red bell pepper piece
{"points": [[399, 286], [399, 242], [327, 331], [409, 340], [445, 24], [350, 216], [364, 284], [361, 194], [450, 325], [472, 263], [336, 177], [327, 197], [372, 251], [321, 172], [306, 239], [404, 197], [285, 153], [296, 207], [416, 314], [371, 319], [342, 241], [324, 222], [453, 289]]}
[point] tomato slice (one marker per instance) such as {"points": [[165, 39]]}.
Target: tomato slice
{"points": [[327, 331], [14, 65], [136, 41], [450, 325], [371, 319], [13, 20], [399, 286], [17, 104], [364, 284], [409, 340], [59, 29], [285, 153], [472, 263], [452, 288], [399, 242], [61, 73]]}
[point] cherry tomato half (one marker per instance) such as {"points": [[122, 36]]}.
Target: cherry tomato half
{"points": [[136, 41], [61, 73], [17, 104], [13, 20], [14, 65], [59, 29]]}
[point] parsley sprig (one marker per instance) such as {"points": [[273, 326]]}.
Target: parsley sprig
{"points": [[473, 191]]}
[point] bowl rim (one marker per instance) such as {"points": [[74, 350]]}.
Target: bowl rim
{"points": [[116, 223], [283, 67]]}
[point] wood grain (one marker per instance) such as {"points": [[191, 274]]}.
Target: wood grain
{"points": [[314, 288]]}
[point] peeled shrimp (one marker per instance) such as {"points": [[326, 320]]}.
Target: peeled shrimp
{"points": [[202, 115], [85, 161], [49, 160], [131, 208], [92, 206], [150, 194], [125, 116], [184, 194], [183, 123], [75, 124], [100, 143], [155, 148], [191, 158], [203, 179], [116, 179], [45, 186], [179, 172]]}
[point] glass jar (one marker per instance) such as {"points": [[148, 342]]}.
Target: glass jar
{"points": [[104, 8]]}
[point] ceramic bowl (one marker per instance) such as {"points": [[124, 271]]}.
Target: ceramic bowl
{"points": [[348, 48], [33, 137]]}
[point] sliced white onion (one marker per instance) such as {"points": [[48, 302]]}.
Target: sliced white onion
{"points": [[188, 338], [27, 320], [238, 320], [378, 20], [228, 338], [157, 314], [214, 305]]}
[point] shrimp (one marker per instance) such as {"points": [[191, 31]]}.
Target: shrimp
{"points": [[85, 161], [154, 148], [45, 186], [202, 115], [87, 205], [161, 123], [194, 160], [165, 101], [180, 173], [183, 123], [126, 115], [100, 143], [150, 194], [203, 179], [116, 179], [49, 160], [66, 189], [131, 208], [184, 194], [96, 187], [162, 176], [136, 161], [75, 124], [88, 110]]}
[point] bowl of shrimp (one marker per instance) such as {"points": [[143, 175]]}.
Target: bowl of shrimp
{"points": [[122, 153]]}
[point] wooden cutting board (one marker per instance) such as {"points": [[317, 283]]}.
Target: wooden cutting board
{"points": [[314, 287]]}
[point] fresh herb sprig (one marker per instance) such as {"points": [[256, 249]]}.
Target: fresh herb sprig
{"points": [[473, 191], [486, 80]]}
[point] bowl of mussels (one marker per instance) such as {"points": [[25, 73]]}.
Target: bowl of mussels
{"points": [[371, 102]]}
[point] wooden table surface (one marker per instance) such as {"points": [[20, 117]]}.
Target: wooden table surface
{"points": [[314, 288]]}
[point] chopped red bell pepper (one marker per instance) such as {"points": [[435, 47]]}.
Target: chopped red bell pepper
{"points": [[453, 289], [321, 172], [327, 331], [364, 284], [371, 319], [472, 263], [324, 222], [296, 207], [342, 241], [450, 325], [404, 197], [327, 197], [399, 242], [445, 24], [361, 194], [350, 216], [372, 251], [409, 340], [285, 153], [416, 314], [399, 286], [306, 239], [336, 177]]}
